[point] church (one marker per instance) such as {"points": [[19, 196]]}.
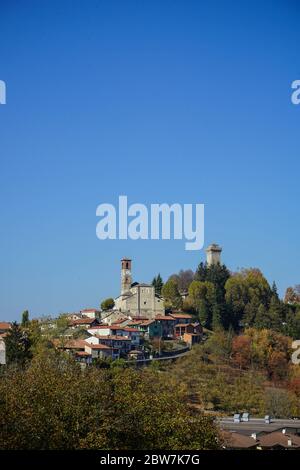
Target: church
{"points": [[137, 299]]}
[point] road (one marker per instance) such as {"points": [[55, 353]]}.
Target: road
{"points": [[259, 425]]}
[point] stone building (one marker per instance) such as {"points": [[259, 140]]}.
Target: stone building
{"points": [[213, 254], [137, 299]]}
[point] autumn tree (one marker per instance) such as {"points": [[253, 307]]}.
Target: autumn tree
{"points": [[171, 294], [53, 404], [183, 279]]}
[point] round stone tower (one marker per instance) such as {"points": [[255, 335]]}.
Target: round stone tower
{"points": [[213, 254]]}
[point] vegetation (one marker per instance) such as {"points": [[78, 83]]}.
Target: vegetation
{"points": [[108, 304], [171, 295], [53, 404], [235, 373], [158, 284]]}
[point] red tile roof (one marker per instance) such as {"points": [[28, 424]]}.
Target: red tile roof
{"points": [[113, 337], [82, 353], [69, 344], [5, 325], [82, 321], [181, 315], [239, 441], [164, 318], [97, 346], [277, 438], [100, 327], [90, 310]]}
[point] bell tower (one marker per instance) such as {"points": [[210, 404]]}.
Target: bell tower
{"points": [[126, 279]]}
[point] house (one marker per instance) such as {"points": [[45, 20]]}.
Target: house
{"points": [[192, 338], [84, 323], [182, 328], [136, 354], [150, 328], [180, 317], [107, 330], [235, 440], [4, 327], [70, 345], [279, 440], [101, 351], [90, 313], [134, 335], [167, 325], [121, 344], [73, 316]]}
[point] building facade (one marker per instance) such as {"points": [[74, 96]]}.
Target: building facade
{"points": [[137, 299]]}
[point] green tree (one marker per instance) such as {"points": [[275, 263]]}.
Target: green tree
{"points": [[171, 294], [53, 404], [108, 304], [17, 345], [25, 318], [158, 284]]}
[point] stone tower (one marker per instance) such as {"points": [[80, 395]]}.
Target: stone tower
{"points": [[126, 279], [213, 254]]}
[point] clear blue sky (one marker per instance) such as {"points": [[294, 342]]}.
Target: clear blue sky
{"points": [[165, 101]]}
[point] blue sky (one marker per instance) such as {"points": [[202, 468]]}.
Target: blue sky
{"points": [[163, 101]]}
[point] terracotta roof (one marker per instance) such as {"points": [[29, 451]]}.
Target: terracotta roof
{"points": [[181, 315], [100, 327], [239, 441], [83, 353], [97, 346], [70, 344], [180, 325], [281, 439], [147, 322], [131, 330], [120, 320], [83, 321], [164, 317], [90, 310], [113, 337], [140, 318], [5, 325]]}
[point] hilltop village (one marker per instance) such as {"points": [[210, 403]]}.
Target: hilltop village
{"points": [[137, 325]]}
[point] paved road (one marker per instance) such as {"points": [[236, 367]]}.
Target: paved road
{"points": [[259, 425]]}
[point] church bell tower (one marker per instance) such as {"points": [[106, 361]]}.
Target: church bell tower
{"points": [[126, 279]]}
